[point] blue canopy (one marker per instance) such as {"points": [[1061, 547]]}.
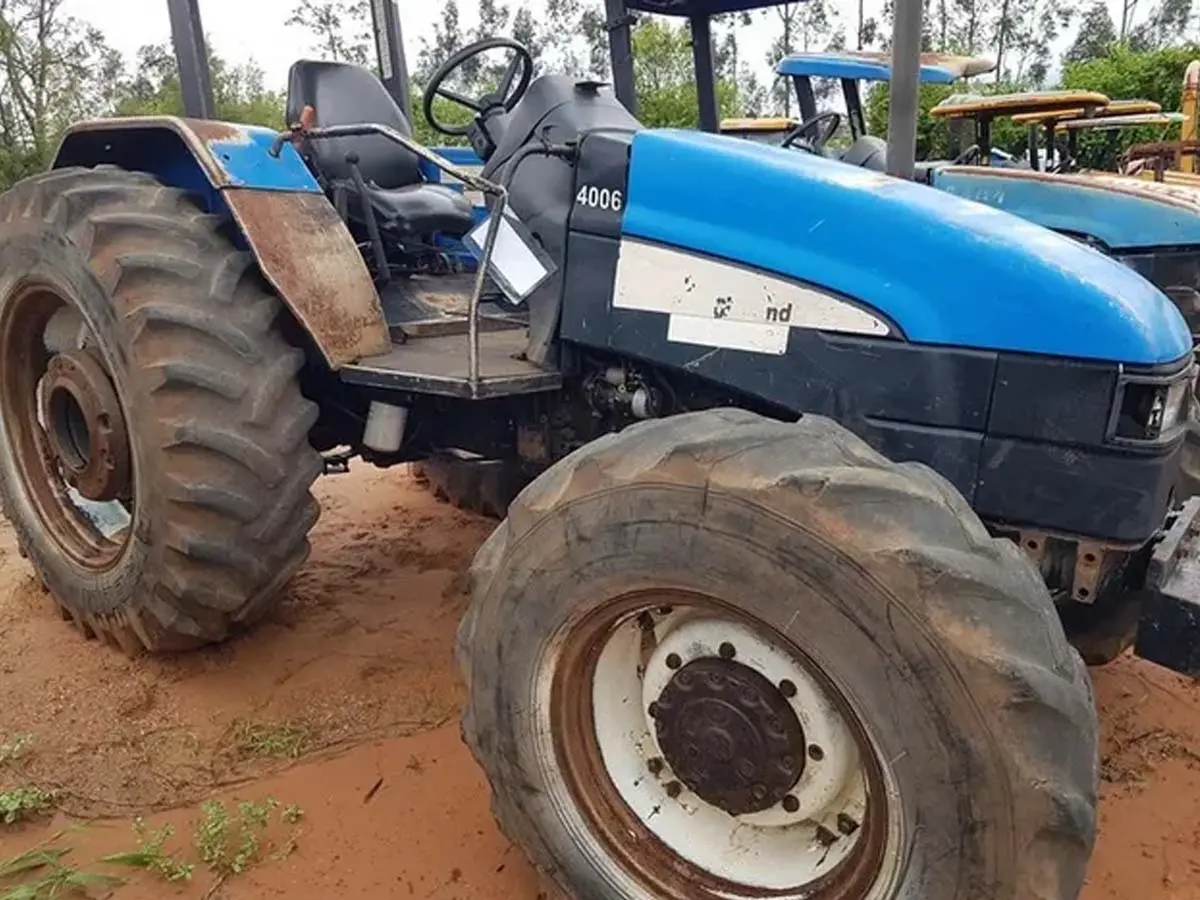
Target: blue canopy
{"points": [[700, 7], [936, 68]]}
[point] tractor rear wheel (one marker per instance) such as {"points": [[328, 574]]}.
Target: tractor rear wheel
{"points": [[154, 455], [720, 656]]}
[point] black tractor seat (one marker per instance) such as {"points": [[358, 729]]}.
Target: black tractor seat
{"points": [[404, 203]]}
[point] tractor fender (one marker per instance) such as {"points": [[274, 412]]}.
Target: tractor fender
{"points": [[1119, 211], [302, 247]]}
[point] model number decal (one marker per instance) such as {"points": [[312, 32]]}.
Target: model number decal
{"points": [[600, 198]]}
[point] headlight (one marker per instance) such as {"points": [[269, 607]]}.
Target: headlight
{"points": [[1149, 409]]}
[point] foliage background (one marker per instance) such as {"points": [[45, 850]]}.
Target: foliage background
{"points": [[55, 70]]}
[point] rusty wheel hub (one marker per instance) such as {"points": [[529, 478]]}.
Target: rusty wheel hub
{"points": [[85, 426], [729, 735]]}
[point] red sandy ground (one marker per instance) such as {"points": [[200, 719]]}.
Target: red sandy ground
{"points": [[359, 655]]}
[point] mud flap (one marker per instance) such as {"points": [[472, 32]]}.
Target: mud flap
{"points": [[1169, 628]]}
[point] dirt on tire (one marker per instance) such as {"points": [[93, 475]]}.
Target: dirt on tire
{"points": [[359, 656]]}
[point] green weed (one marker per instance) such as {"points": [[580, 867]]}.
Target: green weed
{"points": [[151, 854], [279, 740], [14, 748], [42, 875], [23, 803], [230, 841]]}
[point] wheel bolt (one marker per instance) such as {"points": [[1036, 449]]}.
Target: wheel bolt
{"points": [[787, 689], [846, 825], [825, 837], [727, 650], [654, 710], [655, 766], [790, 804], [673, 661], [815, 753], [674, 789]]}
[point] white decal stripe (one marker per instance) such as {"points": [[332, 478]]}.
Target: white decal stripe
{"points": [[653, 278], [749, 336]]}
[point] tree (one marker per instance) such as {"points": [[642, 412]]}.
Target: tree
{"points": [[664, 77], [802, 27], [447, 40], [340, 28], [1155, 75], [1167, 24], [239, 94], [1096, 34], [54, 70]]}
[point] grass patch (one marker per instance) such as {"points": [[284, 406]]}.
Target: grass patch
{"points": [[151, 854], [277, 740], [14, 748], [229, 841], [41, 874], [20, 804]]}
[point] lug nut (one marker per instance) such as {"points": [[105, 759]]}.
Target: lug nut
{"points": [[825, 837], [654, 710], [790, 804], [655, 766], [673, 661], [674, 789], [846, 825], [787, 689], [727, 650], [815, 753]]}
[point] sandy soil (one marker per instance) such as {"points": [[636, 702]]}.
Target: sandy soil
{"points": [[355, 674]]}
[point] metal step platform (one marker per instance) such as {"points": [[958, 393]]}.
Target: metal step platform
{"points": [[433, 306], [440, 365]]}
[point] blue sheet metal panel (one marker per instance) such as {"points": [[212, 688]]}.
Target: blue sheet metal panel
{"points": [[246, 162], [829, 65], [1123, 221], [946, 270]]}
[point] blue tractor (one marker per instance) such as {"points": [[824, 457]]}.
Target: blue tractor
{"points": [[1152, 227], [808, 525]]}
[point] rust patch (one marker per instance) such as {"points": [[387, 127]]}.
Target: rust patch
{"points": [[207, 130], [311, 260]]}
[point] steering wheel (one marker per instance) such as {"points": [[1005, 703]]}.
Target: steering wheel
{"points": [[831, 121], [506, 96]]}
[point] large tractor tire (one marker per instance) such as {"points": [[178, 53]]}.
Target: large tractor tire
{"points": [[720, 656], [486, 487], [154, 455]]}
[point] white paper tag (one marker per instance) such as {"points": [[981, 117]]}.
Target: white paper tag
{"points": [[516, 265]]}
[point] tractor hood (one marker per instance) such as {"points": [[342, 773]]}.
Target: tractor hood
{"points": [[944, 270], [1122, 212]]}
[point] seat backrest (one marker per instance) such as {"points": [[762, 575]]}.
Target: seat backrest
{"points": [[869, 152], [345, 94]]}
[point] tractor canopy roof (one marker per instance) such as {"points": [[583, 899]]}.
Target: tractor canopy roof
{"points": [[759, 125], [1118, 108], [970, 106], [1112, 123], [700, 7], [866, 65]]}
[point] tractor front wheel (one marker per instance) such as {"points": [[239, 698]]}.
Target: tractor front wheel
{"points": [[717, 656], [154, 455]]}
